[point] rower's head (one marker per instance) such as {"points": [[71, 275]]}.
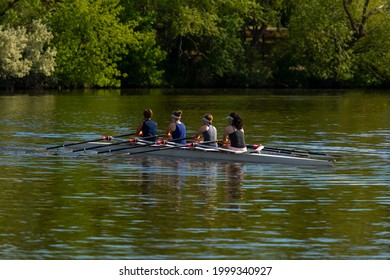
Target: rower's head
{"points": [[148, 113], [176, 115], [207, 119], [235, 120]]}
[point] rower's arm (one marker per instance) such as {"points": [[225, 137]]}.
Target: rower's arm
{"points": [[171, 127], [225, 138], [139, 129]]}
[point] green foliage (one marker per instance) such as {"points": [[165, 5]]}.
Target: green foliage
{"points": [[21, 12], [204, 42], [182, 43], [141, 63], [141, 66], [372, 49], [341, 41], [98, 45], [319, 34], [90, 41]]}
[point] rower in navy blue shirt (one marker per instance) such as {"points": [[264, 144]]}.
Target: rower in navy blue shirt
{"points": [[176, 129], [147, 128]]}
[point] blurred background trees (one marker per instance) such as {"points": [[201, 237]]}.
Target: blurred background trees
{"points": [[187, 43]]}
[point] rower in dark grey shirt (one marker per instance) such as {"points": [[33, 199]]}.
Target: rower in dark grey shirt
{"points": [[207, 131]]}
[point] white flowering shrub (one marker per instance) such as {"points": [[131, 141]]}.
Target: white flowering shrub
{"points": [[13, 42], [24, 52]]}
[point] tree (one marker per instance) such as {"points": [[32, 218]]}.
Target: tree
{"points": [[22, 12], [142, 64], [202, 40], [369, 22], [25, 52], [90, 40], [259, 15], [6, 6], [342, 42]]}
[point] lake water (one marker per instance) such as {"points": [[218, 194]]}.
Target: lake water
{"points": [[88, 206]]}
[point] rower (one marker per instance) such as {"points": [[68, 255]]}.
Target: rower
{"points": [[233, 134], [207, 131], [147, 128], [176, 129]]}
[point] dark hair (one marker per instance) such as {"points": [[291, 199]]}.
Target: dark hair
{"points": [[148, 113], [237, 121]]}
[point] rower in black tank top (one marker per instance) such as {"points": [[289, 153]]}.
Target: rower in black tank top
{"points": [[233, 135], [237, 139]]}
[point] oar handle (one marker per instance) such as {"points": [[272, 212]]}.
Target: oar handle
{"points": [[151, 137], [142, 141], [179, 139], [173, 147], [128, 148]]}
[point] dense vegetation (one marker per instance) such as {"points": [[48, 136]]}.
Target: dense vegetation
{"points": [[188, 43]]}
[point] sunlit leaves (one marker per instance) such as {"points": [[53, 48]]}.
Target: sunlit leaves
{"points": [[90, 42], [340, 40], [109, 43], [203, 40]]}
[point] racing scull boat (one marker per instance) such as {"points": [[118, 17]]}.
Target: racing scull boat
{"points": [[201, 151]]}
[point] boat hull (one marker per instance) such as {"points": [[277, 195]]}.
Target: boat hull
{"points": [[202, 153]]}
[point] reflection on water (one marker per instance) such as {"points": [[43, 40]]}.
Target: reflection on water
{"points": [[88, 206], [234, 191]]}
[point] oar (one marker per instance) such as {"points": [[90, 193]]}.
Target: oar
{"points": [[94, 140], [132, 147], [292, 151], [116, 143], [288, 151], [173, 147], [147, 145]]}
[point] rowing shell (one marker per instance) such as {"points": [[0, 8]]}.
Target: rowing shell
{"points": [[204, 153]]}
